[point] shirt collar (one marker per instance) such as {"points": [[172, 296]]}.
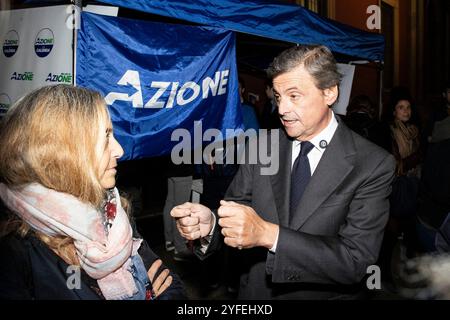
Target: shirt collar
{"points": [[324, 136]]}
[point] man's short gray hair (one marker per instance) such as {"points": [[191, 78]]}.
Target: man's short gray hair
{"points": [[317, 60]]}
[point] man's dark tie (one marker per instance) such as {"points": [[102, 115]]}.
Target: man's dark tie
{"points": [[300, 176]]}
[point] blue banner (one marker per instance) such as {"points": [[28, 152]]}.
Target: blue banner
{"points": [[270, 19], [159, 77]]}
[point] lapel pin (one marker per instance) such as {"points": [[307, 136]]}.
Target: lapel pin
{"points": [[323, 144]]}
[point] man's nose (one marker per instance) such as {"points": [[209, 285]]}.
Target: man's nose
{"points": [[283, 107]]}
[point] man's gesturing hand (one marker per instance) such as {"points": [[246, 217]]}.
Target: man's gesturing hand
{"points": [[242, 227], [194, 221]]}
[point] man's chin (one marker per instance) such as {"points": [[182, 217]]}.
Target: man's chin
{"points": [[291, 132]]}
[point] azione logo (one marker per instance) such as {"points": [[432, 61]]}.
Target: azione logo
{"points": [[62, 77], [44, 42], [26, 76], [11, 43], [5, 102]]}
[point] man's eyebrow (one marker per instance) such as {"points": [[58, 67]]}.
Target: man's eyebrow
{"points": [[288, 89]]}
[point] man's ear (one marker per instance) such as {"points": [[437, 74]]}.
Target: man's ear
{"points": [[331, 95]]}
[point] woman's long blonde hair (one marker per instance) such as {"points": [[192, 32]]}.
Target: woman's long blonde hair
{"points": [[49, 137]]}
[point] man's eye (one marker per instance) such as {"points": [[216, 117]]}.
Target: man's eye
{"points": [[295, 96]]}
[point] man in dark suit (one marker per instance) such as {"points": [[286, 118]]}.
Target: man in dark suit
{"points": [[311, 230]]}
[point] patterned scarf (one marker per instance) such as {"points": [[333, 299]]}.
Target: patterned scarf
{"points": [[104, 254], [406, 137]]}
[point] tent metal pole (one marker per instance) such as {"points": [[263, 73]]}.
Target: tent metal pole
{"points": [[76, 16], [380, 93]]}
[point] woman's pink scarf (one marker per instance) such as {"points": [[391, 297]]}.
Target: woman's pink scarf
{"points": [[105, 257]]}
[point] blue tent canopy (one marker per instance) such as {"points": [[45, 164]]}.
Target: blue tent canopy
{"points": [[270, 19]]}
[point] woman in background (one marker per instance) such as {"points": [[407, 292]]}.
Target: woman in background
{"points": [[405, 138], [405, 146]]}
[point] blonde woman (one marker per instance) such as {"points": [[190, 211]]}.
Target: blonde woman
{"points": [[67, 233]]}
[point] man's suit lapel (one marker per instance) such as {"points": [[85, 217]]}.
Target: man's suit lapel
{"points": [[281, 182], [333, 167]]}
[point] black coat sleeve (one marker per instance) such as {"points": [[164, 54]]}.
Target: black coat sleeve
{"points": [[215, 243], [15, 274], [176, 290]]}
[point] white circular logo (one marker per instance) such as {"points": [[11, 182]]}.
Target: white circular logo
{"points": [[5, 102], [11, 43], [44, 42]]}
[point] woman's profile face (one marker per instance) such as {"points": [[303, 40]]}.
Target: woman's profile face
{"points": [[402, 111], [110, 151]]}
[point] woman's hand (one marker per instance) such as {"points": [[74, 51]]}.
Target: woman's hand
{"points": [[163, 281]]}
